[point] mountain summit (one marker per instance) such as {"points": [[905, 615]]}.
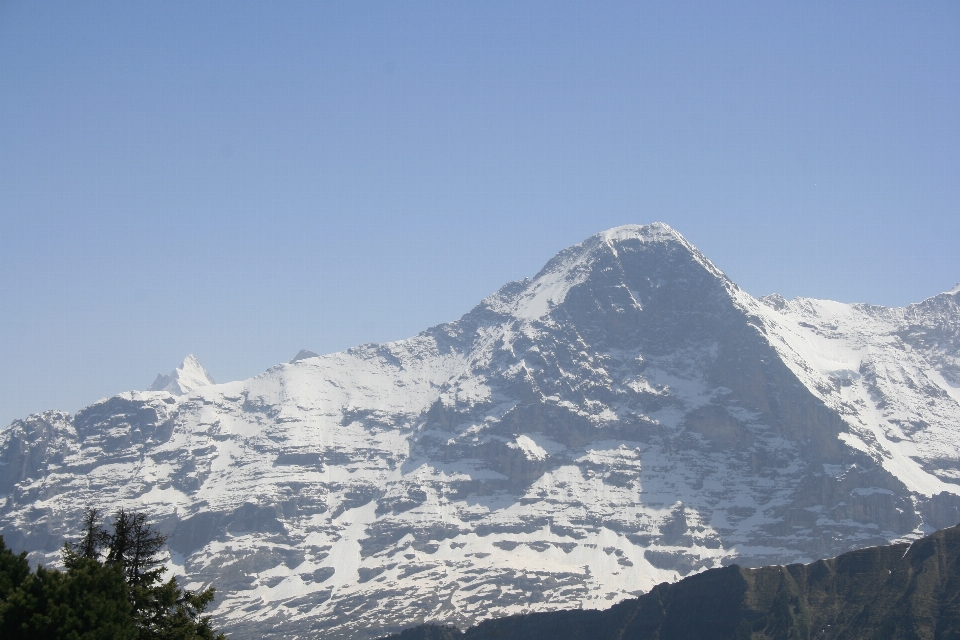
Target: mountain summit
{"points": [[190, 375], [625, 417], [617, 263]]}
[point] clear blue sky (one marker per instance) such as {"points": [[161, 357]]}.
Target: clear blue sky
{"points": [[240, 180]]}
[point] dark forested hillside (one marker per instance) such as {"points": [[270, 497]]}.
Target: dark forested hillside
{"points": [[897, 591]]}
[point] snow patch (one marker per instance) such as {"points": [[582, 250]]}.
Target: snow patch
{"points": [[531, 450]]}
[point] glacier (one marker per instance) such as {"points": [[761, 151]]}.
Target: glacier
{"points": [[624, 418]]}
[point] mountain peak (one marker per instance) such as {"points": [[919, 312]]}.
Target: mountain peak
{"points": [[303, 354], [650, 232], [188, 376], [954, 291], [632, 256]]}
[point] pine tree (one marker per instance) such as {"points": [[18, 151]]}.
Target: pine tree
{"points": [[14, 569], [113, 588], [119, 541], [86, 602], [93, 540], [143, 560], [162, 610]]}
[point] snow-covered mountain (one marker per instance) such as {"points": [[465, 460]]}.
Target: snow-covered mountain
{"points": [[627, 416], [186, 378]]}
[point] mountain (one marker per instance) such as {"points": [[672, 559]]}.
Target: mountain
{"points": [[303, 354], [897, 591], [625, 418], [186, 378]]}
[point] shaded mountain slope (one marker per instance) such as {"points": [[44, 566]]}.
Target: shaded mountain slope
{"points": [[891, 592]]}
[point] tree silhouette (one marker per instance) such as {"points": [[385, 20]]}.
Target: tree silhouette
{"points": [[93, 539], [113, 587]]}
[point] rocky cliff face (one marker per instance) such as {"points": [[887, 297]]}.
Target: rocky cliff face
{"points": [[625, 418]]}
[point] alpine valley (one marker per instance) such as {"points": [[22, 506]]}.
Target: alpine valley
{"points": [[627, 417]]}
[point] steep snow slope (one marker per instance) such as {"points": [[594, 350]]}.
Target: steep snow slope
{"points": [[892, 374], [627, 416]]}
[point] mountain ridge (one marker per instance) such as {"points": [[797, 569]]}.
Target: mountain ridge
{"points": [[873, 592]]}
